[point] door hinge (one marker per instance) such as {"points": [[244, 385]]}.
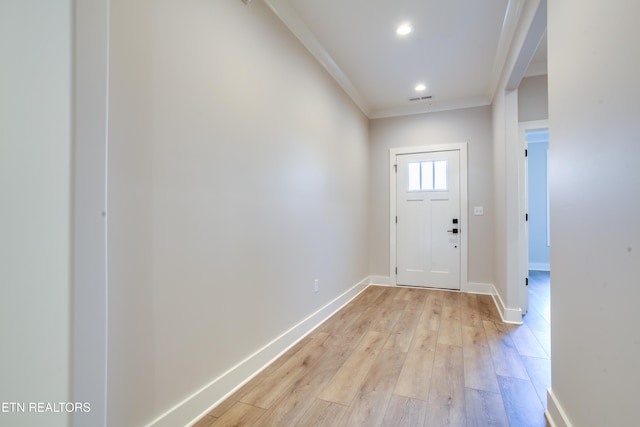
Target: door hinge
{"points": [[396, 271], [396, 219], [395, 168], [526, 281], [526, 217], [526, 152]]}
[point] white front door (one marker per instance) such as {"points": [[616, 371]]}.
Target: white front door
{"points": [[428, 219]]}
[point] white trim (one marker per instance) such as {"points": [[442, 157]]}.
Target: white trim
{"points": [[379, 280], [540, 266], [406, 110], [508, 32], [546, 166], [297, 26], [523, 224], [464, 242], [478, 288], [555, 415], [508, 315], [523, 195], [226, 384], [469, 287], [534, 18]]}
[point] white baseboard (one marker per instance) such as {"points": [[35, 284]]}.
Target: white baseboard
{"points": [[470, 287], [379, 280], [540, 266], [478, 288], [190, 410], [509, 315], [555, 415]]}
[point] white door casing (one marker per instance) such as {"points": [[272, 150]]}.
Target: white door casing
{"points": [[424, 250], [523, 210]]}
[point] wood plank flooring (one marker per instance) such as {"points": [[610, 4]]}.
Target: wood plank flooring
{"points": [[406, 357]]}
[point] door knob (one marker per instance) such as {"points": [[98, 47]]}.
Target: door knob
{"points": [[454, 231]]}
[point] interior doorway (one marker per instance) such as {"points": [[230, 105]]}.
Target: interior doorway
{"points": [[534, 204], [538, 199]]}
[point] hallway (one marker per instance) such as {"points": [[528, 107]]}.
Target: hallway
{"points": [[538, 319], [404, 356]]}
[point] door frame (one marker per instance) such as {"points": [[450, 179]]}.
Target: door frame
{"points": [[523, 207], [464, 243]]}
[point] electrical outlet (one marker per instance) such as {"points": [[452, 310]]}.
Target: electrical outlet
{"points": [[315, 286]]}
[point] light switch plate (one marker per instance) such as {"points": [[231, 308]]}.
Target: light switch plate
{"points": [[478, 210]]}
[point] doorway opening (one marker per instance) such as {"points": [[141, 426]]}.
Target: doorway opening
{"points": [[535, 261], [535, 245], [538, 199]]}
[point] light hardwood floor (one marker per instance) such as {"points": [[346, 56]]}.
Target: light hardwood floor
{"points": [[406, 357]]}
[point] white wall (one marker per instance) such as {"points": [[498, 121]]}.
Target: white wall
{"points": [[509, 223], [89, 190], [35, 216], [472, 125], [499, 188], [507, 216], [238, 174], [595, 205], [533, 99]]}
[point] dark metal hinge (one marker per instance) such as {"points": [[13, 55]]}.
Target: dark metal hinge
{"points": [[396, 271], [526, 152], [526, 217], [526, 281], [395, 168]]}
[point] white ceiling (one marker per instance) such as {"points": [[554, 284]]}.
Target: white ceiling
{"points": [[457, 49]]}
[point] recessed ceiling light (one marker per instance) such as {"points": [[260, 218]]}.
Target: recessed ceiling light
{"points": [[420, 87], [404, 29]]}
